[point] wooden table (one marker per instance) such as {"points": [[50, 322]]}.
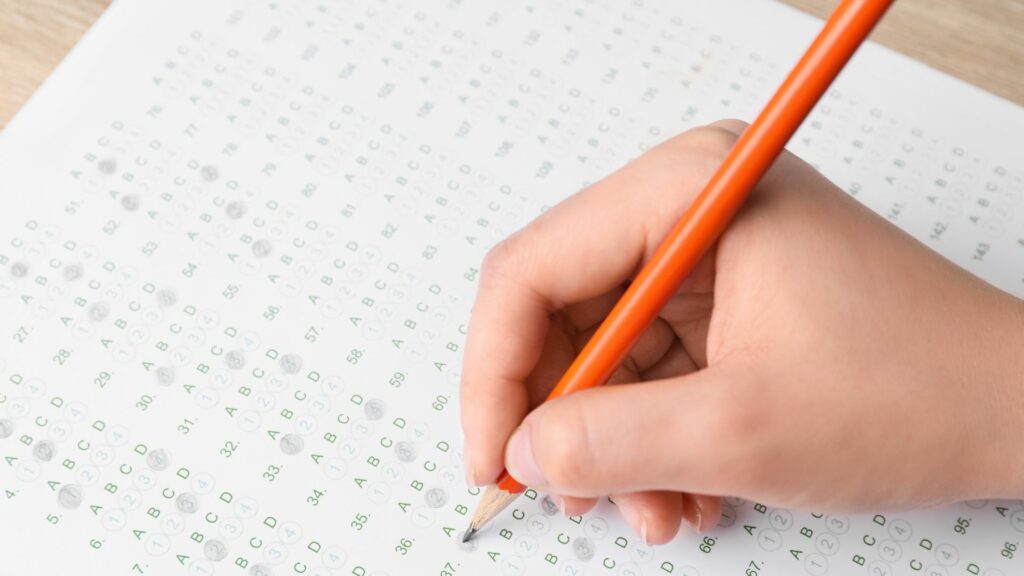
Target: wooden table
{"points": [[981, 41]]}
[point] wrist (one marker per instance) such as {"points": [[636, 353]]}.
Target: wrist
{"points": [[1000, 374]]}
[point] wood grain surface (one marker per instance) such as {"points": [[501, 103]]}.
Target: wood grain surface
{"points": [[981, 41]]}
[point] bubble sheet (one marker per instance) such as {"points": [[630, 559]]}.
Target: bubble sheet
{"points": [[242, 242]]}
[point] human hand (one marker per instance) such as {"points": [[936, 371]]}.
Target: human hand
{"points": [[817, 358]]}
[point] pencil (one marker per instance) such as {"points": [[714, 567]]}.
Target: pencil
{"points": [[709, 214]]}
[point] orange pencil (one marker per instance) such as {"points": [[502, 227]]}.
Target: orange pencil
{"points": [[708, 215]]}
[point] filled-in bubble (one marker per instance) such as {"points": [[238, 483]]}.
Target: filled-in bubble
{"points": [[405, 451], [107, 166], [44, 450], [158, 459], [215, 550], [290, 363], [166, 375], [260, 570], [6, 428], [130, 202], [99, 311], [187, 502], [72, 272], [235, 210], [374, 409], [19, 269], [548, 506], [262, 248], [583, 548], [70, 496], [435, 497], [235, 359], [209, 172], [166, 297], [292, 444]]}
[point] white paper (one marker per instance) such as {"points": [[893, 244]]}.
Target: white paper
{"points": [[241, 241]]}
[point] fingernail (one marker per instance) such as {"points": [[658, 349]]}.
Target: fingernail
{"points": [[520, 462], [635, 519], [698, 521], [560, 502]]}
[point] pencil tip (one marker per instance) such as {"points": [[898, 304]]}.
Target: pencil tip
{"points": [[468, 535]]}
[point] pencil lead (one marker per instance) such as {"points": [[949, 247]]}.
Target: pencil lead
{"points": [[468, 535]]}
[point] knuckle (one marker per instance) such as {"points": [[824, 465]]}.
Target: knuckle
{"points": [[715, 140], [509, 258], [497, 259], [710, 143], [733, 125]]}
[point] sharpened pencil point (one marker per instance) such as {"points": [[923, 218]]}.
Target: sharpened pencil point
{"points": [[493, 502]]}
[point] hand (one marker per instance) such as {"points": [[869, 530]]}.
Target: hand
{"points": [[818, 358]]}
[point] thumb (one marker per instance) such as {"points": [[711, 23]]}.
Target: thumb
{"points": [[687, 434]]}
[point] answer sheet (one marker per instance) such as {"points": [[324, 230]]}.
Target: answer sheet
{"points": [[241, 240]]}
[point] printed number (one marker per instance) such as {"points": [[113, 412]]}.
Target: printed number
{"points": [[403, 546], [706, 544], [962, 524], [360, 521], [429, 252], [230, 291], [144, 402], [1008, 549], [397, 379], [186, 426], [229, 449], [312, 334], [271, 312], [21, 334], [354, 356], [61, 356], [440, 402], [102, 380], [271, 474], [315, 498]]}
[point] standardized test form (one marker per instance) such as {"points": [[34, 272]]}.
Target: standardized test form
{"points": [[240, 240]]}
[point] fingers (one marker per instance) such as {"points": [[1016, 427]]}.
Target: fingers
{"points": [[688, 434], [702, 512], [676, 361], [573, 506], [582, 248], [654, 516], [649, 349]]}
